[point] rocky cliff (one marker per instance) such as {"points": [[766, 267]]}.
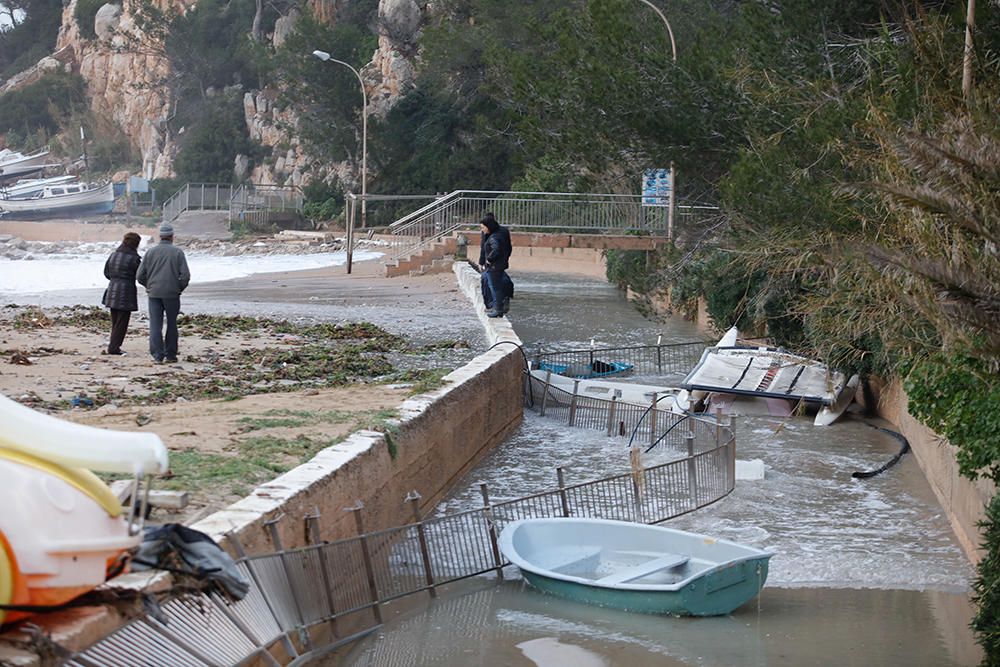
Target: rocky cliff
{"points": [[127, 73]]}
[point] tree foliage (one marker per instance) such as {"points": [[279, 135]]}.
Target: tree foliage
{"points": [[30, 39]]}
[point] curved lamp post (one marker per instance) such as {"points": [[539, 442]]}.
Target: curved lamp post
{"points": [[673, 52], [324, 56]]}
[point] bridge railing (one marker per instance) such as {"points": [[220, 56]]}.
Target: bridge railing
{"points": [[197, 196], [538, 211]]}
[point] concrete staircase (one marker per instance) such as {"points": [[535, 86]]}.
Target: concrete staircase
{"points": [[436, 258]]}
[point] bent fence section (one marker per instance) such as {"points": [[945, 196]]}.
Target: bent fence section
{"points": [[305, 602]]}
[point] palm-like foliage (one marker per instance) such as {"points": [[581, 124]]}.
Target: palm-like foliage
{"points": [[938, 248]]}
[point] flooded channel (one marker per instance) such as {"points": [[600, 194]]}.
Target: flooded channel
{"points": [[866, 572]]}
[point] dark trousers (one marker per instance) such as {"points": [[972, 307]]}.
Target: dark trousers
{"points": [[492, 288], [119, 326], [160, 309]]}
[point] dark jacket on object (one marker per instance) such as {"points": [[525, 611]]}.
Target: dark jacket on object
{"points": [[120, 270], [495, 249], [164, 271]]}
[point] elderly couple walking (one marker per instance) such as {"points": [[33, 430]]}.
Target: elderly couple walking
{"points": [[163, 271]]}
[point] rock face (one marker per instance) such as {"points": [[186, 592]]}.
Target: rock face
{"points": [[125, 71], [387, 78]]}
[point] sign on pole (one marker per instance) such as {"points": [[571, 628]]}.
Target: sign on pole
{"points": [[657, 185]]}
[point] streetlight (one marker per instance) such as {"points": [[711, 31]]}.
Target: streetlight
{"points": [[324, 56], [673, 49]]}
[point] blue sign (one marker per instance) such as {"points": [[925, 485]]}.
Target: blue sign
{"points": [[656, 186]]}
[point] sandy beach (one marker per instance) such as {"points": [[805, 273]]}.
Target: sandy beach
{"points": [[273, 365]]}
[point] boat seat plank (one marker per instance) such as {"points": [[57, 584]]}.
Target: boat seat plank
{"points": [[577, 558], [664, 562]]}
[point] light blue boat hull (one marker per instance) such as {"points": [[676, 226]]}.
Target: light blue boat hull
{"points": [[716, 594]]}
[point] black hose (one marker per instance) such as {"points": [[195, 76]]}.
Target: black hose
{"points": [[891, 462], [527, 368]]}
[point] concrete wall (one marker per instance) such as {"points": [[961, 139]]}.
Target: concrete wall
{"points": [[964, 501], [439, 436]]}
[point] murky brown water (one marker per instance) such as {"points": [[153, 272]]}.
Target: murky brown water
{"points": [[867, 572]]}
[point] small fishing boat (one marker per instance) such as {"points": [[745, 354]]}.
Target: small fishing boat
{"points": [[62, 531], [767, 380], [594, 369], [70, 199], [636, 567], [29, 187], [14, 165]]}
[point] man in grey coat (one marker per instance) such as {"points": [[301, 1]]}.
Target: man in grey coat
{"points": [[164, 273]]}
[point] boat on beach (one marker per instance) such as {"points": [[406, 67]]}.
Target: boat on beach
{"points": [[635, 567], [26, 188], [14, 165], [62, 200]]}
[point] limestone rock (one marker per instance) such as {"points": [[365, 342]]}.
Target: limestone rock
{"points": [[283, 27], [241, 168], [399, 20], [107, 20]]}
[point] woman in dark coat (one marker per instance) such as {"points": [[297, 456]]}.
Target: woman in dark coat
{"points": [[120, 297]]}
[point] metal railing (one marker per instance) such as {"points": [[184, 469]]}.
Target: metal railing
{"points": [[326, 588], [258, 205], [667, 361], [538, 211], [197, 196]]}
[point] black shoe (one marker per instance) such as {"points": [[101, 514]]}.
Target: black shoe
{"points": [[170, 360], [157, 361], [505, 305], [494, 313]]}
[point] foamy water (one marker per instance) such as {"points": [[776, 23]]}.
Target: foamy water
{"points": [[84, 268]]}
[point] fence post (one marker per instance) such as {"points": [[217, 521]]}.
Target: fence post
{"points": [[242, 555], [692, 469], [731, 424], [545, 392], [272, 529], [611, 415], [572, 403], [414, 499], [659, 355], [638, 480], [313, 537], [652, 420], [563, 498], [367, 556], [495, 546], [718, 426]]}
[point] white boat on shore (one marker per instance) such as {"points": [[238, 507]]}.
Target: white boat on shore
{"points": [[62, 200], [29, 187], [14, 165]]}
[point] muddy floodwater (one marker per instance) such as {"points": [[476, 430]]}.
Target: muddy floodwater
{"points": [[865, 572]]}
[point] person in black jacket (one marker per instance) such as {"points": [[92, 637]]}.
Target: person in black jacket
{"points": [[494, 258], [120, 297]]}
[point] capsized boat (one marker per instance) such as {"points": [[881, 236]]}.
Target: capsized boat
{"points": [[633, 566], [70, 199], [781, 379], [62, 530]]}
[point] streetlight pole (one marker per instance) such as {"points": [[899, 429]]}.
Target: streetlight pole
{"points": [[324, 56], [673, 181]]}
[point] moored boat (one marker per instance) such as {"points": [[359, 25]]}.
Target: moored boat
{"points": [[62, 200], [14, 165], [636, 567]]}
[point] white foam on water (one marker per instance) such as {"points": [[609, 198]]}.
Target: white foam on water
{"points": [[84, 268]]}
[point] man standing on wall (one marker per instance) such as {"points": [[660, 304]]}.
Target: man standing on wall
{"points": [[494, 257], [164, 273]]}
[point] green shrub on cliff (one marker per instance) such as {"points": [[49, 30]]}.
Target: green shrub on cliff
{"points": [[84, 14], [42, 105]]}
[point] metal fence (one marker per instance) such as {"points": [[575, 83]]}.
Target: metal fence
{"points": [[336, 584], [538, 211], [667, 362], [197, 196]]}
